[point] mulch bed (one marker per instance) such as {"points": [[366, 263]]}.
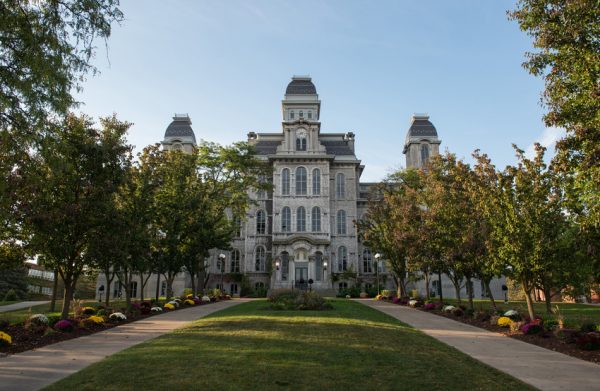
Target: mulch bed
{"points": [[545, 339], [24, 339]]}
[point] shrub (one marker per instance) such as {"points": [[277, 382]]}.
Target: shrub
{"points": [[88, 310], [504, 321], [101, 312], [169, 306], [482, 316], [39, 320], [117, 316], [469, 312], [66, 326], [429, 307], [588, 327], [532, 328], [396, 300], [5, 339], [285, 299], [188, 293], [96, 319], [10, 295], [197, 300], [387, 293], [145, 307], [216, 293], [588, 341], [53, 319], [379, 297], [551, 324], [415, 303], [4, 324], [448, 308], [205, 299], [458, 311]]}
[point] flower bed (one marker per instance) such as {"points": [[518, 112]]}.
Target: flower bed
{"points": [[41, 330], [583, 343]]}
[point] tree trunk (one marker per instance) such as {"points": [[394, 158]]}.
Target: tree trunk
{"points": [[109, 281], [68, 296], [426, 274], [157, 286], [457, 290], [54, 292], [440, 290], [486, 284], [527, 291], [470, 292], [170, 279], [192, 275], [548, 299]]}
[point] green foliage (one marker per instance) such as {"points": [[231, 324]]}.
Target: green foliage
{"points": [[285, 299], [14, 281], [352, 292], [10, 295]]}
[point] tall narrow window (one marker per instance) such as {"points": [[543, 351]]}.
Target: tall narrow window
{"points": [[342, 258], [309, 114], [301, 144], [424, 154], [260, 193], [286, 219], [301, 114], [235, 261], [318, 266], [340, 186], [237, 227], [261, 223], [367, 261], [301, 219], [285, 181], [292, 114], [316, 182], [285, 265], [341, 222], [260, 259], [301, 181], [315, 218]]}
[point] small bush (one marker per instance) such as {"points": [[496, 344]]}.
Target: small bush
{"points": [[469, 312], [39, 320], [4, 324], [533, 327], [588, 327], [10, 295], [429, 307], [482, 316], [285, 299], [504, 321], [5, 339], [458, 311], [588, 341], [169, 306], [66, 326], [53, 319], [189, 302], [117, 316], [551, 324], [101, 312], [88, 311]]}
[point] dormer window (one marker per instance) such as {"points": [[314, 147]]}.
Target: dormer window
{"points": [[301, 141], [301, 114], [291, 114]]}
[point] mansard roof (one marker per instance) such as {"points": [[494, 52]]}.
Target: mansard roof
{"points": [[180, 127], [301, 86], [421, 126]]}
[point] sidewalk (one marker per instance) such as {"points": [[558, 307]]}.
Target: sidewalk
{"points": [[542, 368], [21, 305], [38, 368]]}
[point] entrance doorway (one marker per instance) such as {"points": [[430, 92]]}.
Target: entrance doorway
{"points": [[301, 276]]}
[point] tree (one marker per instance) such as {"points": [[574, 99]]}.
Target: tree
{"points": [[16, 280], [565, 34], [70, 182]]}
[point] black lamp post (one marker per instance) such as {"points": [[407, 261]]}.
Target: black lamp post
{"points": [[100, 292], [222, 267], [377, 256]]}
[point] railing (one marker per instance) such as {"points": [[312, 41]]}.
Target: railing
{"points": [[302, 285]]}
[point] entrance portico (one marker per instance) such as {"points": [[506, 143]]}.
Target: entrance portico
{"points": [[299, 262]]}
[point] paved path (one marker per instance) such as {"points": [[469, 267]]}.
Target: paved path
{"points": [[38, 368], [21, 305], [542, 368]]}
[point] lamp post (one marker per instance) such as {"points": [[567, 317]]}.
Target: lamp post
{"points": [[100, 292], [377, 256], [222, 267], [324, 268]]}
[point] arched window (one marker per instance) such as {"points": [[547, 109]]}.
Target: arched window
{"points": [[340, 186], [301, 144], [292, 114], [316, 182], [301, 219], [318, 266], [260, 259], [235, 261], [220, 266], [301, 181], [341, 222], [286, 219], [285, 265], [301, 114], [315, 217], [261, 222], [367, 261], [424, 154], [342, 259], [285, 181]]}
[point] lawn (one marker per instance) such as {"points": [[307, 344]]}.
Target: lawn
{"points": [[574, 314], [250, 347], [9, 302]]}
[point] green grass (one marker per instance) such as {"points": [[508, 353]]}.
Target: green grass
{"points": [[574, 314], [250, 347], [9, 302]]}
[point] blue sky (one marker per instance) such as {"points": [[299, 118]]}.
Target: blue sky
{"points": [[374, 63]]}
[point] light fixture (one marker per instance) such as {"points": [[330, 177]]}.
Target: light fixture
{"points": [[325, 265], [277, 265]]}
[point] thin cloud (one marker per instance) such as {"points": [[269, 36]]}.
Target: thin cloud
{"points": [[547, 139]]}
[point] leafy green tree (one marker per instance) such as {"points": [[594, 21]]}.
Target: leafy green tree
{"points": [[565, 35], [70, 182], [16, 280]]}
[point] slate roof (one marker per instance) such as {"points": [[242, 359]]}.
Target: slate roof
{"points": [[266, 147], [422, 127], [303, 86], [337, 147], [180, 127]]}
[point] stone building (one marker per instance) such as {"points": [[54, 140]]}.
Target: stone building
{"points": [[303, 231]]}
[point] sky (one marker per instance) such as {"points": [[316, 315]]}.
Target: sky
{"points": [[374, 64]]}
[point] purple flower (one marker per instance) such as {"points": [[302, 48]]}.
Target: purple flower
{"points": [[64, 325], [429, 306]]}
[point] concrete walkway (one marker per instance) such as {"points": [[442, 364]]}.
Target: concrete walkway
{"points": [[542, 368], [38, 368], [21, 305]]}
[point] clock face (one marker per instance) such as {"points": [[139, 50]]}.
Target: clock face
{"points": [[301, 133]]}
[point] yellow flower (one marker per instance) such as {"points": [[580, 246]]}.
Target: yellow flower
{"points": [[504, 321], [169, 306], [189, 302], [5, 338], [96, 319]]}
